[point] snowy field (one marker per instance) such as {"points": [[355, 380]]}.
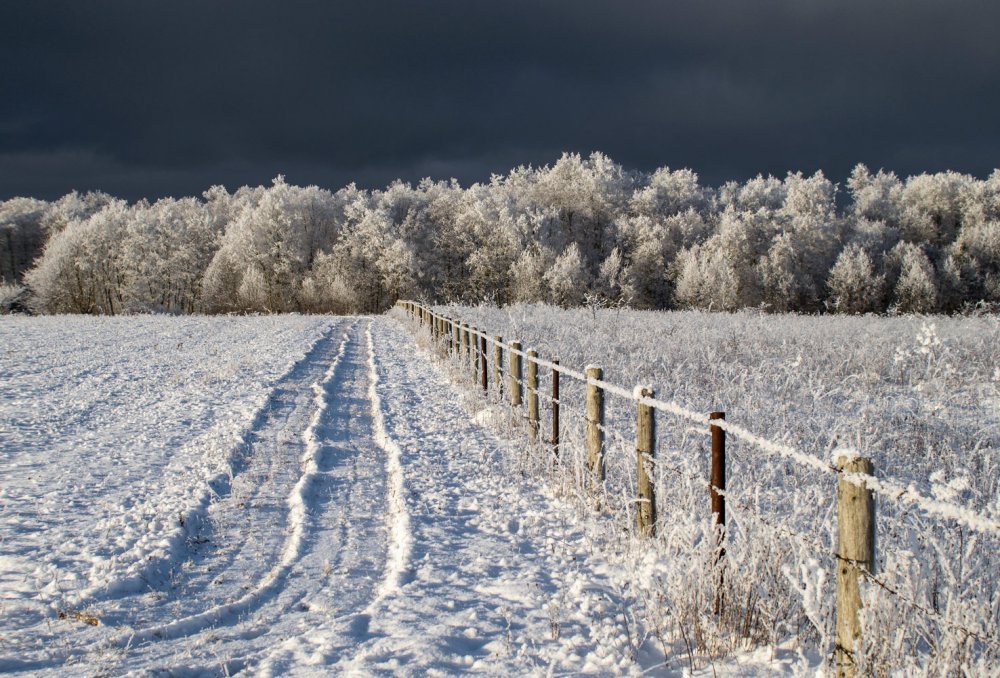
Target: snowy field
{"points": [[313, 495], [282, 495], [919, 395]]}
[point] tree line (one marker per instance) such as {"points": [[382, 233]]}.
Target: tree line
{"points": [[581, 231]]}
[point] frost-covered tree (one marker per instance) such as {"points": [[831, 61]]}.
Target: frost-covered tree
{"points": [[80, 270], [586, 195], [876, 197], [268, 248], [933, 205], [167, 248], [22, 236], [527, 275], [669, 192], [567, 279], [652, 240], [916, 289], [854, 285], [722, 272]]}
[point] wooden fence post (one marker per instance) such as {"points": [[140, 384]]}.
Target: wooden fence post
{"points": [[457, 331], [595, 424], [515, 374], [498, 363], [717, 481], [464, 335], [482, 362], [555, 409], [855, 555], [645, 446], [473, 351], [532, 395], [717, 478]]}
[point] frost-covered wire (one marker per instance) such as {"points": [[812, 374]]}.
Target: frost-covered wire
{"points": [[887, 488], [929, 613]]}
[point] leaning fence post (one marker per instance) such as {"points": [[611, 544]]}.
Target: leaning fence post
{"points": [[855, 556], [532, 394], [555, 407], [645, 446], [515, 374], [498, 363], [595, 425], [482, 362]]}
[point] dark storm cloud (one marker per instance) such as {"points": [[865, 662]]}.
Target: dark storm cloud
{"points": [[148, 99]]}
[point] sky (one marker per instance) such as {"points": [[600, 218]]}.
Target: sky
{"points": [[149, 99]]}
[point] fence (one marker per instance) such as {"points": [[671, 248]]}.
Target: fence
{"points": [[855, 489]]}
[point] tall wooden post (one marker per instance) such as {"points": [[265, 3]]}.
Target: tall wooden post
{"points": [[482, 362], [464, 334], [457, 330], [532, 395], [717, 481], [855, 555], [555, 409], [645, 446], [595, 424], [515, 374], [717, 478], [498, 363]]}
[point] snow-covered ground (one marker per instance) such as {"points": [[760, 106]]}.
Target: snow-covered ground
{"points": [[281, 495], [310, 496]]}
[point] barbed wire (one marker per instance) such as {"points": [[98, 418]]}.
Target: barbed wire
{"points": [[936, 616]]}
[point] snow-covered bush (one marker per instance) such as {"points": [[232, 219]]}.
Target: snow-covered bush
{"points": [[13, 298]]}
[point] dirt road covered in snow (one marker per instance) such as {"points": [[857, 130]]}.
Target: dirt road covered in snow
{"points": [[361, 527]]}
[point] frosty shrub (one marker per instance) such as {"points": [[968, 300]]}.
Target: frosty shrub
{"points": [[916, 290], [13, 298], [853, 283]]}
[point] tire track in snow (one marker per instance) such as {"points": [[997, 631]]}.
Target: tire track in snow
{"points": [[292, 550], [193, 515], [340, 636], [399, 518]]}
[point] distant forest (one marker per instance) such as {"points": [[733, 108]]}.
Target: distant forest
{"points": [[582, 231]]}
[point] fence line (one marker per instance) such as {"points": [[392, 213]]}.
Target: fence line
{"points": [[887, 488], [857, 484]]}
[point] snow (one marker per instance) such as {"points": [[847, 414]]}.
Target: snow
{"points": [[314, 495], [282, 495]]}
